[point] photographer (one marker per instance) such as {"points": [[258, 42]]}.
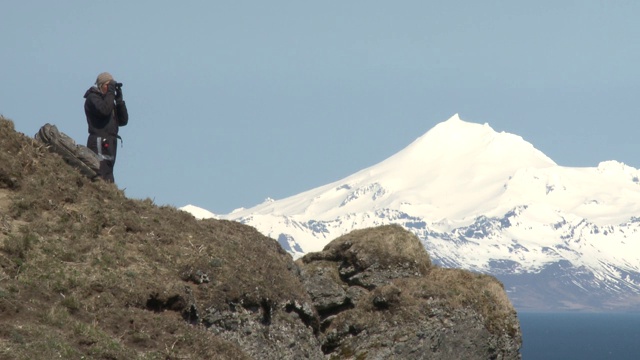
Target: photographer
{"points": [[106, 111]]}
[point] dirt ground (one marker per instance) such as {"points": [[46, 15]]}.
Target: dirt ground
{"points": [[4, 201]]}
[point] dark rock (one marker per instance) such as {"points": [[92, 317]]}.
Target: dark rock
{"points": [[400, 306], [356, 293], [374, 294], [285, 337], [323, 284]]}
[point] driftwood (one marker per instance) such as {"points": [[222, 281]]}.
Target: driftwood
{"points": [[78, 156]]}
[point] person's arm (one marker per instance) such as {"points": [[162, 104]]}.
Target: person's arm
{"points": [[103, 105], [122, 115]]}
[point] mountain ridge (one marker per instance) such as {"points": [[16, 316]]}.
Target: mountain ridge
{"points": [[480, 200], [441, 147]]}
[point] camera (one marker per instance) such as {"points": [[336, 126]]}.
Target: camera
{"points": [[118, 85]]}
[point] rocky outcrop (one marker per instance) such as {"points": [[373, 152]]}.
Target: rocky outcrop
{"points": [[378, 297], [372, 294]]}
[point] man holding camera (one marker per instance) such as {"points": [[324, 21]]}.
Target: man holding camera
{"points": [[106, 111]]}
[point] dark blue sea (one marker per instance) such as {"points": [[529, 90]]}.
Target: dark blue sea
{"points": [[580, 336]]}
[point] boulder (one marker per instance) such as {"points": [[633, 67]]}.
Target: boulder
{"points": [[379, 297]]}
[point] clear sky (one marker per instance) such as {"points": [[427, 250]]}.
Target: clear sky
{"points": [[231, 102]]}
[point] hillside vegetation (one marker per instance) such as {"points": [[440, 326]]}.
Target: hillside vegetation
{"points": [[87, 273]]}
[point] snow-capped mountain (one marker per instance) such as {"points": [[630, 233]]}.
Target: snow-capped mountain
{"points": [[558, 237]]}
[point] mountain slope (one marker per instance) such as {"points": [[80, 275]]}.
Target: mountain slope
{"points": [[454, 154], [488, 202]]}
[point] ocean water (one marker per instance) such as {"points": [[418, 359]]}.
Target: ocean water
{"points": [[580, 336]]}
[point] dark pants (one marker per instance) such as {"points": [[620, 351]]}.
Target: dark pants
{"points": [[106, 147]]}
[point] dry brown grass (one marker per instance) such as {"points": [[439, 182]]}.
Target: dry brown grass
{"points": [[85, 271], [385, 247], [461, 288], [412, 300]]}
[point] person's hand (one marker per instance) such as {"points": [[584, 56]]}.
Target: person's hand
{"points": [[119, 93], [111, 86]]}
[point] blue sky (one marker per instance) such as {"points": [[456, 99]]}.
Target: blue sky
{"points": [[233, 102]]}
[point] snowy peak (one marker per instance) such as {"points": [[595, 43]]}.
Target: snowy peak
{"points": [[455, 154], [464, 144], [456, 169], [460, 170], [198, 212]]}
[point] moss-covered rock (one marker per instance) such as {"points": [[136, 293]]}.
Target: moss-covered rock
{"points": [[389, 302]]}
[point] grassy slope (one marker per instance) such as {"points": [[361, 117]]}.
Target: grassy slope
{"points": [[84, 271]]}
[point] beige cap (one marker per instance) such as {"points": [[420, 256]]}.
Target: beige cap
{"points": [[104, 77]]}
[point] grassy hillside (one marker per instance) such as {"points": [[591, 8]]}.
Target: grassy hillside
{"points": [[87, 272]]}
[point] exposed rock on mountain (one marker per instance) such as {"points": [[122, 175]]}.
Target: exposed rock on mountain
{"points": [[378, 297]]}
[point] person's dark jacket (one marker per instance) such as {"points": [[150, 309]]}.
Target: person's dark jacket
{"points": [[104, 113]]}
